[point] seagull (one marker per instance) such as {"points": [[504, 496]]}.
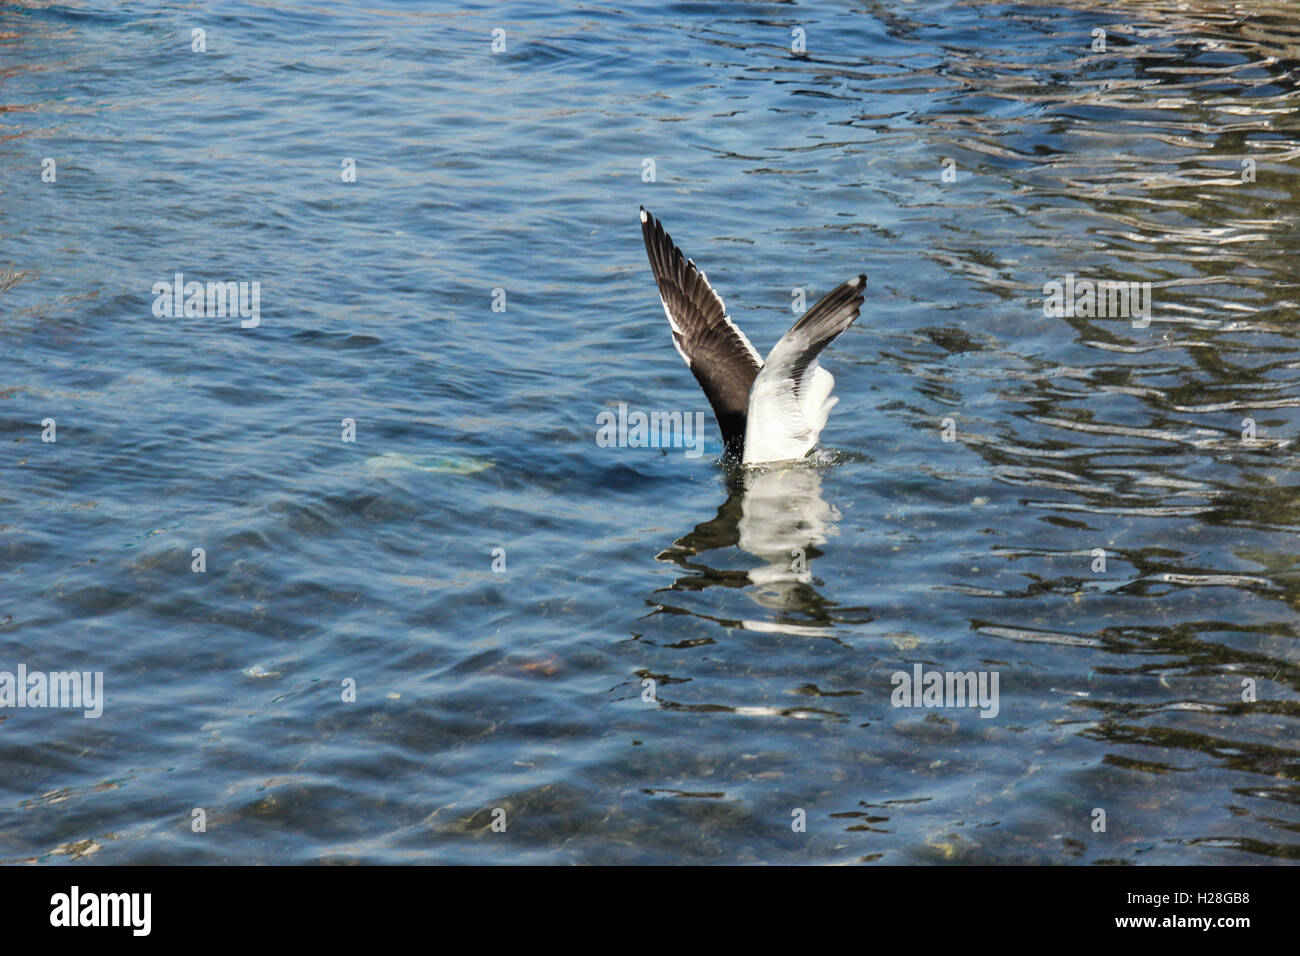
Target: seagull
{"points": [[768, 411]]}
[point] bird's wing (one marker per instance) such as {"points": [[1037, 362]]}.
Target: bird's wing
{"points": [[791, 395], [716, 351]]}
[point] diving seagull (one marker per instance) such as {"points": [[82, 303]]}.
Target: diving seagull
{"points": [[768, 411]]}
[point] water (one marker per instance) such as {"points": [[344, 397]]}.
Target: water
{"points": [[372, 561]]}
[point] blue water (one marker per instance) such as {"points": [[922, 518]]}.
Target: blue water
{"points": [[523, 689]]}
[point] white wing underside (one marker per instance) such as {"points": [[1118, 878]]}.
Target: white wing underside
{"points": [[787, 414]]}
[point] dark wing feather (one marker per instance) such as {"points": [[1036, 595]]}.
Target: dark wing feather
{"points": [[819, 326], [716, 351]]}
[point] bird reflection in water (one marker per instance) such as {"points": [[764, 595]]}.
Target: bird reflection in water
{"points": [[778, 515]]}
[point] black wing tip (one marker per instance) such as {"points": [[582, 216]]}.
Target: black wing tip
{"points": [[653, 229], [651, 224], [856, 289], [837, 309]]}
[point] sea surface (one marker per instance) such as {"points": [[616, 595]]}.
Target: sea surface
{"points": [[364, 587]]}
